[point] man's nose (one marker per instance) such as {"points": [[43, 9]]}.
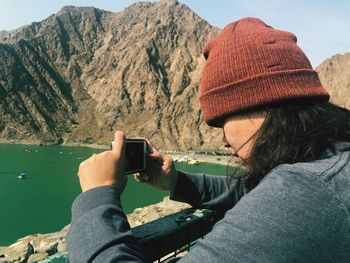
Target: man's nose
{"points": [[225, 142]]}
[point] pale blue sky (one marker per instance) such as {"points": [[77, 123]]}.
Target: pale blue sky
{"points": [[322, 26]]}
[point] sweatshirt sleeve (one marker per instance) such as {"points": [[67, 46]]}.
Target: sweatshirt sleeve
{"points": [[289, 217], [214, 192], [99, 229]]}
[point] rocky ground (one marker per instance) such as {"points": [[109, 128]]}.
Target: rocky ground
{"points": [[39, 246]]}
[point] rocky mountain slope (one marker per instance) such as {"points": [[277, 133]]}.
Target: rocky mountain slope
{"points": [[335, 76], [82, 73]]}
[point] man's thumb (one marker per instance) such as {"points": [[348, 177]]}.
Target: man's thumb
{"points": [[119, 143]]}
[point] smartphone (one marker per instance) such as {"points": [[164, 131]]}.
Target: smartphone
{"points": [[135, 156]]}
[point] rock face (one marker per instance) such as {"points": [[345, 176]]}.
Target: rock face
{"points": [[82, 73], [40, 246], [335, 76]]}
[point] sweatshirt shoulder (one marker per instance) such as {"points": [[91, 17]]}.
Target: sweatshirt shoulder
{"points": [[330, 175], [326, 169]]}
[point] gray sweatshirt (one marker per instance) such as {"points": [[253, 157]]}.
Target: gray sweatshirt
{"points": [[298, 213]]}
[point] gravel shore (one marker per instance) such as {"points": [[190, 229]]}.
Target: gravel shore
{"points": [[210, 157]]}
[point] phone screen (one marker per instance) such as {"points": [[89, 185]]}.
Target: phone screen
{"points": [[135, 155]]}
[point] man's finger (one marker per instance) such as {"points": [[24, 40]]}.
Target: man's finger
{"points": [[118, 144], [137, 177], [141, 177], [156, 156], [150, 147], [145, 177]]}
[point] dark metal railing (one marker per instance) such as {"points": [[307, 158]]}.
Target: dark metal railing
{"points": [[167, 237]]}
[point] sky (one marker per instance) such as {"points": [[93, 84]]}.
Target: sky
{"points": [[321, 26]]}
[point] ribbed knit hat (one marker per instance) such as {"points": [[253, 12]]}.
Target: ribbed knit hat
{"points": [[250, 64]]}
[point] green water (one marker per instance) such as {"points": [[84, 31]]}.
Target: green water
{"points": [[41, 203]]}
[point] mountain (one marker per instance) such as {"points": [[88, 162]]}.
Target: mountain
{"points": [[83, 73], [335, 76]]}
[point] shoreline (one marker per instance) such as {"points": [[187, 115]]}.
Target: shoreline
{"points": [[68, 144], [209, 156]]}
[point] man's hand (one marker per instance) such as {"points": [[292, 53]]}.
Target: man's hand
{"points": [[106, 168], [161, 172]]}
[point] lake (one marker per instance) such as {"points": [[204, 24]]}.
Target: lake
{"points": [[41, 203]]}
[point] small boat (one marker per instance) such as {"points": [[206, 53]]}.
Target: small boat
{"points": [[192, 162], [22, 176]]}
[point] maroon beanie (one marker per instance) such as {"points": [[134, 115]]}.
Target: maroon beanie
{"points": [[250, 64]]}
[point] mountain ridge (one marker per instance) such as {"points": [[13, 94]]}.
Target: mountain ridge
{"points": [[334, 74], [82, 73], [108, 71]]}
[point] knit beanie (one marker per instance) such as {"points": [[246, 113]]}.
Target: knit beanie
{"points": [[249, 65]]}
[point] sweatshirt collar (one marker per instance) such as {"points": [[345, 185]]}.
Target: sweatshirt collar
{"points": [[337, 148]]}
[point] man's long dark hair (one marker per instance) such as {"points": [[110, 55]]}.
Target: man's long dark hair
{"points": [[296, 132]]}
